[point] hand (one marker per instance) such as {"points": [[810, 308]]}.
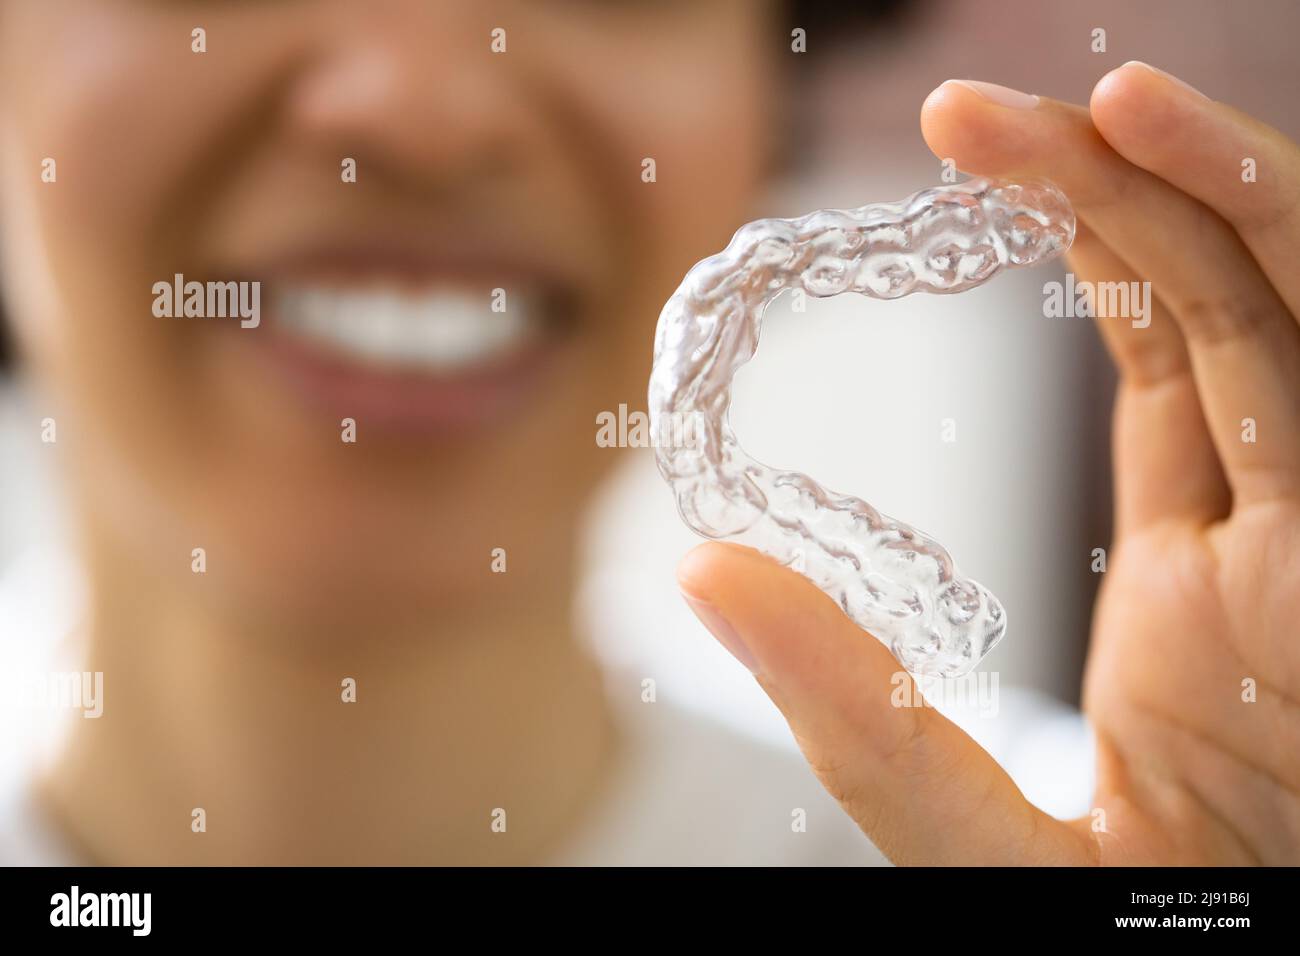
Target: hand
{"points": [[1202, 589]]}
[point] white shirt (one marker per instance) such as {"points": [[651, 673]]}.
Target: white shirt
{"points": [[690, 793], [686, 790]]}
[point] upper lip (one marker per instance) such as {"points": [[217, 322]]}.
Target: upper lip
{"points": [[414, 260]]}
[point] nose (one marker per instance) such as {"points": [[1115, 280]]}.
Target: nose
{"points": [[410, 86]]}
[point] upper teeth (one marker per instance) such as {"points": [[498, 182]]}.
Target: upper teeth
{"points": [[440, 329]]}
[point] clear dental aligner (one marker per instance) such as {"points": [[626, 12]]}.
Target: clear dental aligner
{"points": [[891, 579]]}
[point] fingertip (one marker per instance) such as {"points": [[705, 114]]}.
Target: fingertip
{"points": [[754, 606], [1139, 72], [1120, 90], [697, 572], [940, 113], [940, 97], [761, 597], [1112, 84], [978, 126], [1137, 100]]}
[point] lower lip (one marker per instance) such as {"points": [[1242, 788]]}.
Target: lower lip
{"points": [[405, 400]]}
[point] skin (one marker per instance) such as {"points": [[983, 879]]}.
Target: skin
{"points": [[326, 560], [1202, 590]]}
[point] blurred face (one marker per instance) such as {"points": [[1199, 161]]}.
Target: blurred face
{"points": [[475, 410]]}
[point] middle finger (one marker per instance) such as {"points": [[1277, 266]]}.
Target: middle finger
{"points": [[1244, 346]]}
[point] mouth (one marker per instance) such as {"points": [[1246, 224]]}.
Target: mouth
{"points": [[437, 332], [413, 349]]}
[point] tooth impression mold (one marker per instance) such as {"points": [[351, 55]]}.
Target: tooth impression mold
{"points": [[889, 578]]}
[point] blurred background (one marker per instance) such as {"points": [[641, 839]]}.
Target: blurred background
{"points": [[856, 392]]}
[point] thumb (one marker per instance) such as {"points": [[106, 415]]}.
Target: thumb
{"points": [[919, 787]]}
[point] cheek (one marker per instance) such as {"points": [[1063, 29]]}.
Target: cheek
{"points": [[134, 121], [702, 134]]}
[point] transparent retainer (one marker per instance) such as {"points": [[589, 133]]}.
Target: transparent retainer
{"points": [[891, 579]]}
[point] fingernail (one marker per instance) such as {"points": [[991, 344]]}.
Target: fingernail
{"points": [[721, 629], [1001, 95], [1168, 76]]}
